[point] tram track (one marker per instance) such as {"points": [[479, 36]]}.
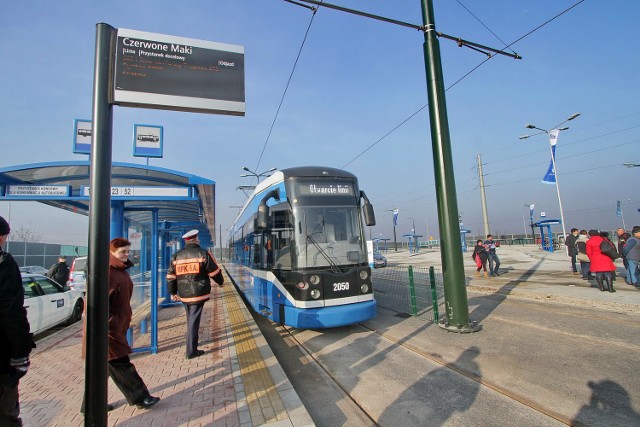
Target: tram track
{"points": [[435, 358], [561, 413]]}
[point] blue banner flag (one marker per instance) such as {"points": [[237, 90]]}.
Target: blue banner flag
{"points": [[618, 209], [550, 176], [395, 216]]}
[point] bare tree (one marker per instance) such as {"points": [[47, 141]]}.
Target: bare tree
{"points": [[25, 234]]}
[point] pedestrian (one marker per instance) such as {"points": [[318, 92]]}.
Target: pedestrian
{"points": [[494, 261], [631, 251], [601, 265], [60, 271], [570, 243], [623, 236], [189, 280], [16, 340], [585, 263], [480, 257], [121, 370]]}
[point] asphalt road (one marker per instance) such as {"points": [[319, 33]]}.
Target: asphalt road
{"points": [[544, 356]]}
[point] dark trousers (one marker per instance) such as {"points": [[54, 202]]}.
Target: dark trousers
{"points": [[584, 269], [573, 263], [494, 263], [194, 313], [126, 378], [9, 405]]}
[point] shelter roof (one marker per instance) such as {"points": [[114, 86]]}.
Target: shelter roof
{"points": [[195, 209]]}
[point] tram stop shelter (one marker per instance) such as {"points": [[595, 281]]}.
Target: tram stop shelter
{"points": [[376, 243], [546, 239], [414, 245], [463, 238], [150, 206]]}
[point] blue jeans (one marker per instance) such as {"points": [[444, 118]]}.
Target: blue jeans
{"points": [[584, 269], [632, 271], [493, 258]]}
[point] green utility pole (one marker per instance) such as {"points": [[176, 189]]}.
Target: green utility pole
{"points": [[455, 292]]}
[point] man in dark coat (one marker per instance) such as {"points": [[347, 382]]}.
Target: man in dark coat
{"points": [[14, 334], [60, 271], [189, 280], [572, 249]]}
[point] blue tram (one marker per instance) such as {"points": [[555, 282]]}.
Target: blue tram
{"points": [[297, 249]]}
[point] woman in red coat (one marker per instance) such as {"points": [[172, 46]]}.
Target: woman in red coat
{"points": [[601, 265]]}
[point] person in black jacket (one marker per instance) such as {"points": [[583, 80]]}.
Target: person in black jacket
{"points": [[60, 271], [16, 340], [189, 280], [572, 250]]}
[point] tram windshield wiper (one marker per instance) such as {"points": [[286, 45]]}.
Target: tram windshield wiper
{"points": [[332, 263]]}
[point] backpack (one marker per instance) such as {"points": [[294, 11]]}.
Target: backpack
{"points": [[607, 248]]}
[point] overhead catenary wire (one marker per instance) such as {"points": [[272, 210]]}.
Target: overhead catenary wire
{"points": [[275, 118], [460, 79]]}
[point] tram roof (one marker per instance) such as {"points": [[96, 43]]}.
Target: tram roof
{"points": [[196, 213]]}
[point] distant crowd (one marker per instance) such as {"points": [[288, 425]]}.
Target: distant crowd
{"points": [[596, 254], [592, 254]]}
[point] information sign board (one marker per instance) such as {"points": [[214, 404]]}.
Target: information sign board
{"points": [[147, 141], [38, 190], [141, 192], [175, 73], [82, 136]]}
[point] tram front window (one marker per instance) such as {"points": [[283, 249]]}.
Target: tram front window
{"points": [[328, 236]]}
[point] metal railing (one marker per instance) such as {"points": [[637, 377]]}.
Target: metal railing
{"points": [[410, 291]]}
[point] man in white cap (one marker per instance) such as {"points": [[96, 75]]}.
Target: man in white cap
{"points": [[189, 280], [14, 334]]}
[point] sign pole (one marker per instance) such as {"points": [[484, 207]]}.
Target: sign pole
{"points": [[99, 232]]}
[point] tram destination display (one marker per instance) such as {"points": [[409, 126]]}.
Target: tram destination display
{"points": [[175, 73], [324, 189]]}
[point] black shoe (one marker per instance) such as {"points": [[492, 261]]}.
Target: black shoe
{"points": [[195, 354], [148, 402]]}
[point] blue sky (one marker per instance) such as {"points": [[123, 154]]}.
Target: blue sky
{"points": [[356, 80]]}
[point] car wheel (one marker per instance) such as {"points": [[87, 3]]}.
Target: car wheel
{"points": [[76, 314]]}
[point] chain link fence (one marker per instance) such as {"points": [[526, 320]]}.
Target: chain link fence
{"points": [[410, 291]]}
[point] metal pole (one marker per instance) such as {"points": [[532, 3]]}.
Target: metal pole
{"points": [[455, 292], [555, 170], [99, 229], [483, 197]]}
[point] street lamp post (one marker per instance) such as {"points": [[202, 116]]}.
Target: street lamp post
{"points": [[257, 175], [552, 136], [413, 222], [394, 211], [533, 230]]}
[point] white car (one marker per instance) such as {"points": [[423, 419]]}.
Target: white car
{"points": [[77, 275], [34, 269], [49, 304]]}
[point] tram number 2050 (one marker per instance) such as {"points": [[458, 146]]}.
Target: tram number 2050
{"points": [[341, 286]]}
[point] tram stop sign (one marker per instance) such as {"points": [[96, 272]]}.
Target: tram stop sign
{"points": [[176, 73]]}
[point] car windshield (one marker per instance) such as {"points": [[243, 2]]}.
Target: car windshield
{"points": [[328, 237], [79, 264]]}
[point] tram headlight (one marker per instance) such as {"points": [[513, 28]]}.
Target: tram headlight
{"points": [[364, 288], [314, 279], [364, 274], [302, 285], [315, 294]]}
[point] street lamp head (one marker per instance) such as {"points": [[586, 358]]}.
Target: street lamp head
{"points": [[525, 137], [530, 126], [244, 168], [564, 128], [573, 116]]}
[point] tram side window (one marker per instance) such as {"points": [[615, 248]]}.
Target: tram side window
{"points": [[281, 238]]}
